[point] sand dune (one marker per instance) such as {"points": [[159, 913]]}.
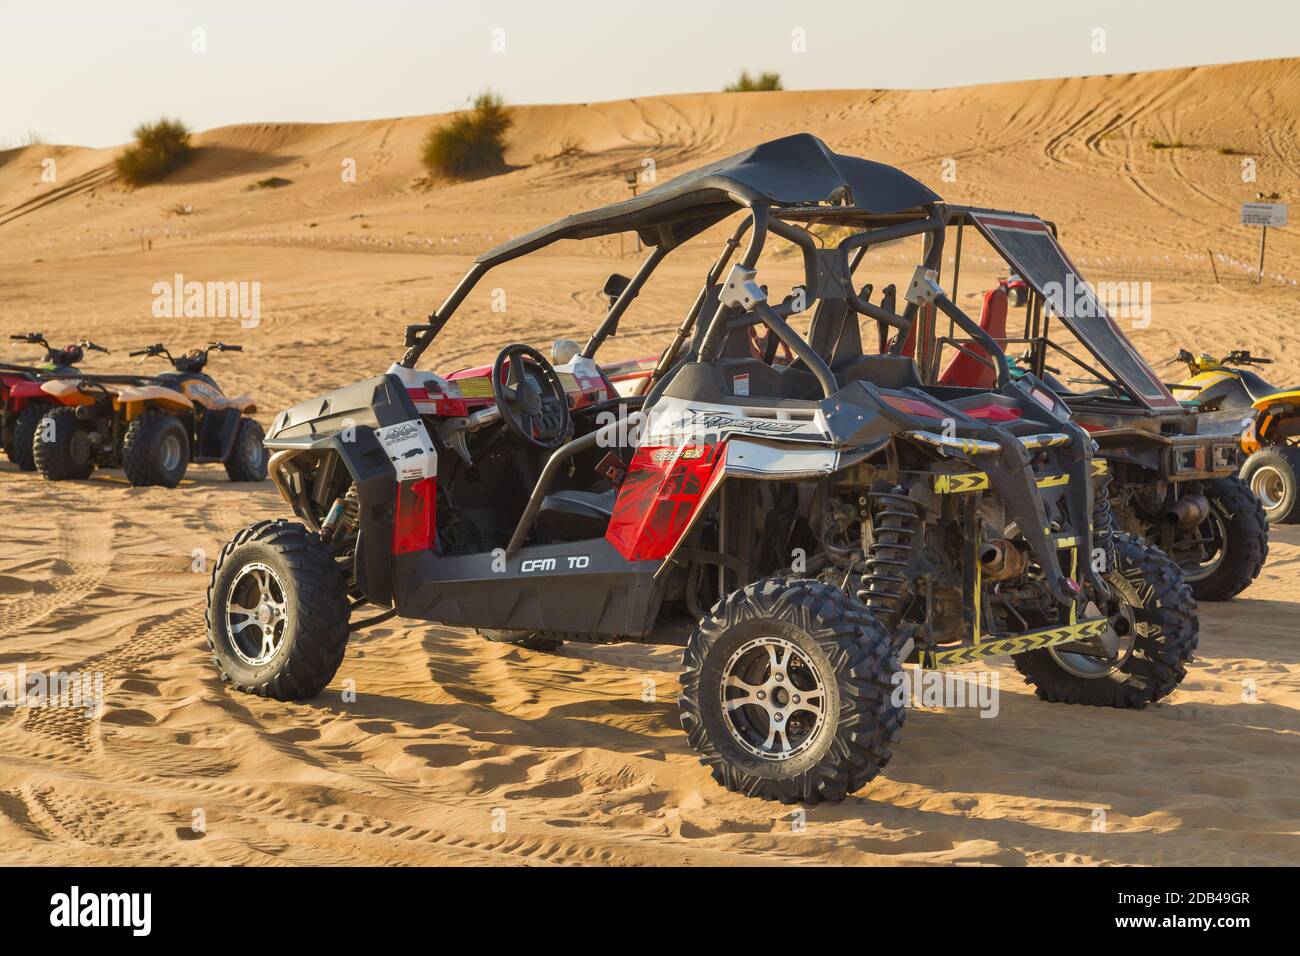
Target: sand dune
{"points": [[450, 739]]}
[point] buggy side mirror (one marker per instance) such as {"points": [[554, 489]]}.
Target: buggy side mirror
{"points": [[614, 287]]}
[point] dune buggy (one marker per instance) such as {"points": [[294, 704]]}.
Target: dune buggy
{"points": [[1227, 390], [1174, 472], [808, 525], [151, 427], [23, 404]]}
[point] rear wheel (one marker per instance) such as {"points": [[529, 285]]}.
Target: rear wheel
{"points": [[1154, 618], [21, 447], [1273, 474], [788, 692], [277, 612], [156, 450], [63, 449], [247, 460], [1232, 542]]}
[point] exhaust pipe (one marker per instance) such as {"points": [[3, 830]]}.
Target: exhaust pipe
{"points": [[1188, 511], [1000, 559]]}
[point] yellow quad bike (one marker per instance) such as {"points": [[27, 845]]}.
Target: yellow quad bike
{"points": [[1270, 420], [151, 427]]}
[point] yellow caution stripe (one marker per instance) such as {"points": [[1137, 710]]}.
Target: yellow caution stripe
{"points": [[1100, 466], [979, 480], [992, 646]]}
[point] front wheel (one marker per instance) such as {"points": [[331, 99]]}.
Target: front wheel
{"points": [[156, 450], [1273, 474], [277, 612], [1154, 618], [247, 459], [63, 449], [789, 692]]}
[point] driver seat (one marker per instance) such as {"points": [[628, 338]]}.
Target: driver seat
{"points": [[572, 515]]}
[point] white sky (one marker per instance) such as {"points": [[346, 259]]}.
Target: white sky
{"points": [[87, 71]]}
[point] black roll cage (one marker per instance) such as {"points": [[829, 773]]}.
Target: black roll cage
{"points": [[828, 273]]}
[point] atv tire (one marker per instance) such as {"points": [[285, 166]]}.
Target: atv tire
{"points": [[290, 645], [791, 641], [1245, 541], [528, 640], [1273, 475], [67, 455], [20, 448], [1166, 631], [247, 458], [156, 450]]}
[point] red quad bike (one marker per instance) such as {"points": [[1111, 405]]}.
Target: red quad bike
{"points": [[152, 427], [23, 403], [1174, 469], [805, 528]]}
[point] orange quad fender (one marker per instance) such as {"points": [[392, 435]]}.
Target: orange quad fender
{"points": [[66, 391], [134, 399]]}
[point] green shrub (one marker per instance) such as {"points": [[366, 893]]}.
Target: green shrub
{"points": [[473, 143], [159, 149], [749, 84]]}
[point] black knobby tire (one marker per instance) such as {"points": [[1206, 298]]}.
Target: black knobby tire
{"points": [[529, 640], [1273, 474], [1166, 633], [247, 459], [315, 634], [853, 655], [61, 449], [21, 450], [1245, 546], [156, 450]]}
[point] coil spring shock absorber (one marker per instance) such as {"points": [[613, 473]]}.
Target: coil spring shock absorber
{"points": [[1103, 520], [883, 586]]}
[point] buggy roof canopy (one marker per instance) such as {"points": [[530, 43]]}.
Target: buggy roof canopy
{"points": [[1030, 246], [791, 171]]}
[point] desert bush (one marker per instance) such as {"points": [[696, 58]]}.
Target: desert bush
{"points": [[1161, 144], [750, 84], [159, 149], [473, 143]]}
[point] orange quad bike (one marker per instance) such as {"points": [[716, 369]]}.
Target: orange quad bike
{"points": [[151, 427]]}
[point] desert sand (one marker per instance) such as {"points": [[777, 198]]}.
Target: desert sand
{"points": [[454, 750]]}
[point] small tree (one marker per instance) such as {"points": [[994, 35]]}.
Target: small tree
{"points": [[159, 149], [749, 84], [473, 143]]}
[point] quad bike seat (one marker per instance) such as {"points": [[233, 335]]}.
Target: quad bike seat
{"points": [[966, 370]]}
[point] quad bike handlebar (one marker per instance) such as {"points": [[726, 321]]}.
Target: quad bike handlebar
{"points": [[192, 361], [68, 355], [1205, 361]]}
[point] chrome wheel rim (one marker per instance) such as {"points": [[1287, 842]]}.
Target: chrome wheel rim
{"points": [[256, 614], [773, 699], [1123, 623], [170, 452], [1217, 528], [1269, 487]]}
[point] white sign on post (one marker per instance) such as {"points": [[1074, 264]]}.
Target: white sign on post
{"points": [[1263, 213]]}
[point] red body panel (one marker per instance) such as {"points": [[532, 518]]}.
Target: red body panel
{"points": [[659, 495]]}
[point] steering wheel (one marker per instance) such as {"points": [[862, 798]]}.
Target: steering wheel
{"points": [[531, 397]]}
